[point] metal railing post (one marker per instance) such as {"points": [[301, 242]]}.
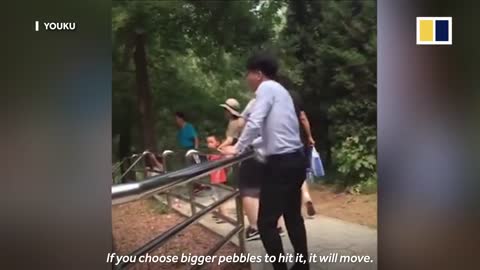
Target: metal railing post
{"points": [[165, 154], [239, 208], [130, 192], [133, 165], [241, 223], [144, 166], [191, 196]]}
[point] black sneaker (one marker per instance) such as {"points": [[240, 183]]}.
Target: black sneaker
{"points": [[281, 232], [251, 234], [310, 210]]}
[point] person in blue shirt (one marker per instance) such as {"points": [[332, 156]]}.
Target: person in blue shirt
{"points": [[187, 135], [188, 139]]}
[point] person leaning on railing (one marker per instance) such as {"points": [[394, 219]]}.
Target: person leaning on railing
{"points": [[235, 122], [273, 116], [251, 171]]}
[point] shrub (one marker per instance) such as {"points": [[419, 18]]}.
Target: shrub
{"points": [[355, 159]]}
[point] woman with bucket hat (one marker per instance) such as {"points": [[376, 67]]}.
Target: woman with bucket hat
{"points": [[250, 174], [235, 122]]}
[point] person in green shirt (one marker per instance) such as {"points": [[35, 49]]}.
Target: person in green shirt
{"points": [[187, 135], [188, 139]]}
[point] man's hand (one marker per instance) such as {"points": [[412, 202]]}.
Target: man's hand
{"points": [[311, 141], [228, 150]]}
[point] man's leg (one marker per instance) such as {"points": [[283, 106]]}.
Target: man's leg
{"points": [[293, 217], [271, 207]]}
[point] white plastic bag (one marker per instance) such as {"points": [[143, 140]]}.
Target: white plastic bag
{"points": [[316, 164]]}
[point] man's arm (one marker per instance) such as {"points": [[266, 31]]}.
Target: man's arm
{"points": [[260, 110], [306, 127]]}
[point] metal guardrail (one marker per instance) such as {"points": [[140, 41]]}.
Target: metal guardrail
{"points": [[129, 192], [139, 157], [145, 153], [124, 193], [119, 164], [166, 154]]}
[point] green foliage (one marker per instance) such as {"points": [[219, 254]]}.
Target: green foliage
{"points": [[196, 53], [355, 159], [365, 187], [330, 50]]}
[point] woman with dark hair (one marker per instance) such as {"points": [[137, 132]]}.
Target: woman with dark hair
{"points": [[305, 135]]}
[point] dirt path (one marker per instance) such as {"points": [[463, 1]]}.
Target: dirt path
{"points": [[360, 209], [325, 234]]}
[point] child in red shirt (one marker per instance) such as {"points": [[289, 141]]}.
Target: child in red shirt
{"points": [[216, 177]]}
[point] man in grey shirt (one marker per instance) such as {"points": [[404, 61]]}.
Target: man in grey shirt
{"points": [[273, 116]]}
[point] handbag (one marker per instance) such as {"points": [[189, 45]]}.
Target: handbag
{"points": [[316, 164]]}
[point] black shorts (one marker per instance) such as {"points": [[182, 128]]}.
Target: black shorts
{"points": [[250, 176]]}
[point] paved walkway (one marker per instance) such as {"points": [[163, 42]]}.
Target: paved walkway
{"points": [[325, 236]]}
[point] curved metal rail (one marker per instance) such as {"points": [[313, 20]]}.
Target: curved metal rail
{"points": [[124, 193], [139, 157], [117, 166]]}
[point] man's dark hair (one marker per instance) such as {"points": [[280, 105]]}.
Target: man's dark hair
{"points": [[180, 115], [264, 62]]}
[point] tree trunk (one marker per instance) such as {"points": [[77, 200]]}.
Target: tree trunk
{"points": [[144, 96], [124, 151]]}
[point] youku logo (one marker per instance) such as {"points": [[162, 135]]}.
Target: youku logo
{"points": [[55, 26]]}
